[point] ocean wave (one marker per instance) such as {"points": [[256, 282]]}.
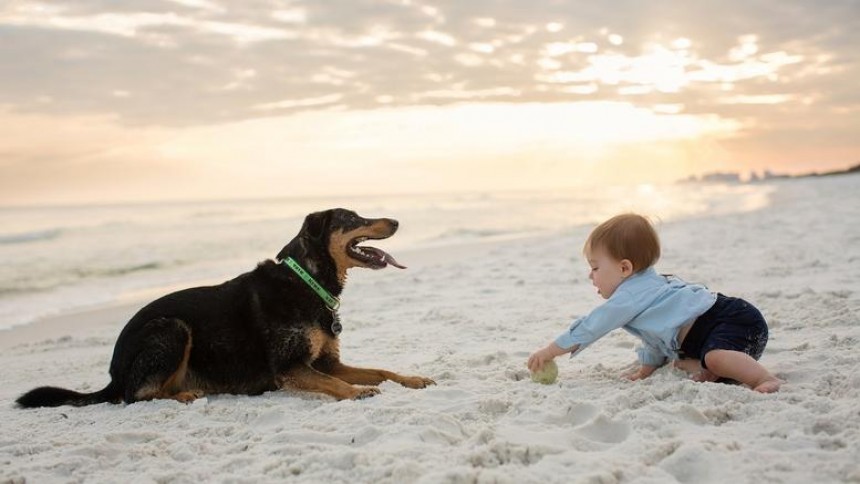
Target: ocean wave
{"points": [[118, 271], [47, 282], [26, 237], [472, 234]]}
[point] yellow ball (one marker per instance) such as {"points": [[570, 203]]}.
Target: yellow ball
{"points": [[547, 374]]}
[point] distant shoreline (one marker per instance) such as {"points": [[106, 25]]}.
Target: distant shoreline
{"points": [[736, 177], [846, 171]]}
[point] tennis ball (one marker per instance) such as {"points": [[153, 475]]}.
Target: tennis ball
{"points": [[547, 374]]}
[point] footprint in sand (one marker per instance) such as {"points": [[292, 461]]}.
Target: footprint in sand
{"points": [[131, 437], [575, 415], [603, 429]]}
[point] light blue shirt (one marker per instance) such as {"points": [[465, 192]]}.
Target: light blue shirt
{"points": [[650, 306]]}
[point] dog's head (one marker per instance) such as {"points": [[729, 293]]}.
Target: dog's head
{"points": [[338, 232]]}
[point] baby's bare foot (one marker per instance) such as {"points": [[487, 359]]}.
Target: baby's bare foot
{"points": [[770, 385], [705, 375]]}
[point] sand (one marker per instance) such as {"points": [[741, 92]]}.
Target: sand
{"points": [[468, 318]]}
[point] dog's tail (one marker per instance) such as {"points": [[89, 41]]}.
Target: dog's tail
{"points": [[55, 397]]}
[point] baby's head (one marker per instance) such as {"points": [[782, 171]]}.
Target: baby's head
{"points": [[618, 248]]}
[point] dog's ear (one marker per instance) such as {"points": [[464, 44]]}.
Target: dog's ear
{"points": [[314, 227], [316, 224]]}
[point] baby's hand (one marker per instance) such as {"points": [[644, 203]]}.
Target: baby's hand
{"points": [[537, 360], [541, 356]]}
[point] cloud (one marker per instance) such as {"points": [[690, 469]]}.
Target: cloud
{"points": [[180, 62], [295, 103], [778, 78]]}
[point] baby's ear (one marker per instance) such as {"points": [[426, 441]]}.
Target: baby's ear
{"points": [[627, 267]]}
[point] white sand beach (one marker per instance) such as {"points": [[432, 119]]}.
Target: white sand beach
{"points": [[469, 318]]}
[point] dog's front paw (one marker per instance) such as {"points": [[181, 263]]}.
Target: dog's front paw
{"points": [[188, 396], [364, 392], [416, 382]]}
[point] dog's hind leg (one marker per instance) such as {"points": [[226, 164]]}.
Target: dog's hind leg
{"points": [[160, 364]]}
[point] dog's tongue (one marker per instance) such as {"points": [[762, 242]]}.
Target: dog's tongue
{"points": [[383, 256], [387, 258]]}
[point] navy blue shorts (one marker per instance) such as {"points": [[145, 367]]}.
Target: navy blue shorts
{"points": [[730, 324]]}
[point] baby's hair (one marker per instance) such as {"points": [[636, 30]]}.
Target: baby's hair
{"points": [[627, 236]]}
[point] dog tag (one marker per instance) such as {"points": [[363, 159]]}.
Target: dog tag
{"points": [[336, 327]]}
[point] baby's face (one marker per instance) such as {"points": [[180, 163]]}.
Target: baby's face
{"points": [[606, 273]]}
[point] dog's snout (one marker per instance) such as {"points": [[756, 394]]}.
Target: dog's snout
{"points": [[394, 223]]}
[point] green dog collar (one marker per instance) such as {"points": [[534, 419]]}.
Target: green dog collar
{"points": [[332, 302]]}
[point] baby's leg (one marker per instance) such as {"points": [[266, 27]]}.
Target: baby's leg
{"points": [[743, 368]]}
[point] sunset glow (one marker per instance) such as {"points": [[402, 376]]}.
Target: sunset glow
{"points": [[217, 99]]}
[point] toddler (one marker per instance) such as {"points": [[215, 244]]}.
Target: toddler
{"points": [[676, 321]]}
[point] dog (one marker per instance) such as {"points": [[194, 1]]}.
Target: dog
{"points": [[265, 330]]}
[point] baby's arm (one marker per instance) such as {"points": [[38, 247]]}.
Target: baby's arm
{"points": [[613, 314], [547, 353], [650, 359]]}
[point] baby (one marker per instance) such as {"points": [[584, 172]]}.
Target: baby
{"points": [[677, 321]]}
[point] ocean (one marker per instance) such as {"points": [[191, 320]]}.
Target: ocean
{"points": [[65, 258]]}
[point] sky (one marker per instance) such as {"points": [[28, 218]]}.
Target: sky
{"points": [[139, 100]]}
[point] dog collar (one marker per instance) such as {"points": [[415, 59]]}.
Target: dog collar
{"points": [[332, 302]]}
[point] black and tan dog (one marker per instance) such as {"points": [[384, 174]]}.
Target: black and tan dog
{"points": [[265, 330]]}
